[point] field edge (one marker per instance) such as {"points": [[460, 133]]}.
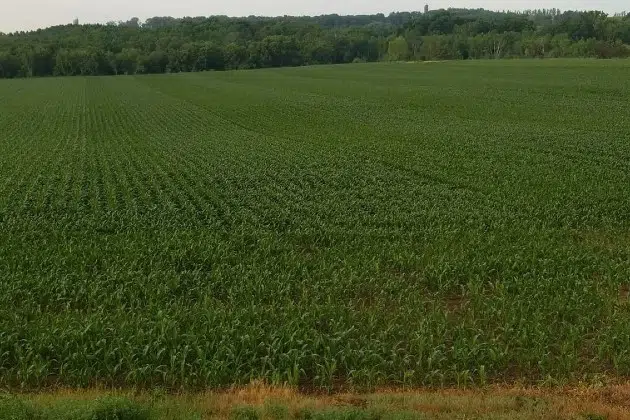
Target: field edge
{"points": [[259, 401]]}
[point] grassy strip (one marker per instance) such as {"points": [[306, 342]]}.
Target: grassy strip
{"points": [[258, 402]]}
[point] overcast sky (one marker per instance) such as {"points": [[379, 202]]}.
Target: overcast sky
{"points": [[33, 14]]}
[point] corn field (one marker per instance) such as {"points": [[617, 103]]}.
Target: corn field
{"points": [[336, 226]]}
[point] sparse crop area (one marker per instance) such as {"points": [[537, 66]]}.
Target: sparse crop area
{"points": [[324, 227]]}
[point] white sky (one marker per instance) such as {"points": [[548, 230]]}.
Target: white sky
{"points": [[33, 14]]}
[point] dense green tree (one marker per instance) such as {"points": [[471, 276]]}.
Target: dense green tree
{"points": [[127, 61], [398, 49], [167, 44], [234, 56], [210, 56], [155, 62], [10, 65]]}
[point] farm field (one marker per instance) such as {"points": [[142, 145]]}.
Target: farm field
{"points": [[334, 227]]}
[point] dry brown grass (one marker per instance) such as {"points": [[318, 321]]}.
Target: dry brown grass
{"points": [[495, 402]]}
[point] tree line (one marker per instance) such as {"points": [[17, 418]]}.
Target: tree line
{"points": [[166, 44]]}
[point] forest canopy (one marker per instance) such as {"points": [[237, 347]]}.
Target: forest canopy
{"points": [[167, 44]]}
